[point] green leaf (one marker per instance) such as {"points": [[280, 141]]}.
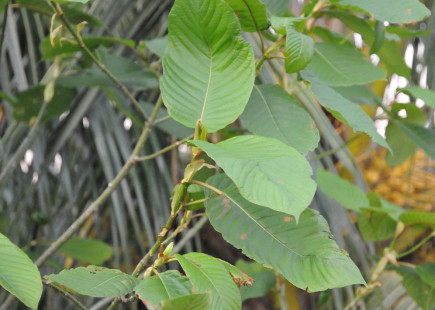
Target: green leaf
{"points": [[272, 112], [401, 146], [266, 171], [299, 49], [28, 103], [344, 110], [304, 252], [427, 95], [390, 53], [359, 94], [208, 274], [239, 277], [403, 31], [418, 218], [393, 11], [276, 7], [208, 69], [427, 273], [66, 48], [66, 1], [188, 302], [342, 65], [157, 46], [348, 195], [422, 137], [90, 251], [95, 281], [166, 285], [251, 14], [419, 290], [264, 279], [18, 274], [375, 224]]}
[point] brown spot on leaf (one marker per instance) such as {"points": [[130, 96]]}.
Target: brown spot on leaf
{"points": [[243, 237], [287, 219], [280, 182], [409, 11]]}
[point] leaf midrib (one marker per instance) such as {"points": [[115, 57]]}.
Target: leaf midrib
{"points": [[331, 64]]}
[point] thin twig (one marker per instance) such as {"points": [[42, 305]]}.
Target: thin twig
{"points": [[25, 143], [335, 150], [58, 10], [212, 188], [162, 151], [414, 248], [66, 294]]}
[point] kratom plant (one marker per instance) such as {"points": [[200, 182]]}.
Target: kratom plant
{"points": [[256, 187]]}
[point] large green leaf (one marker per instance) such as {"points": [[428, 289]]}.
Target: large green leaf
{"points": [[272, 112], [393, 11], [208, 69], [276, 7], [90, 251], [166, 285], [266, 171], [418, 289], [299, 49], [95, 281], [344, 110], [422, 137], [427, 95], [264, 279], [348, 195], [304, 252], [188, 302], [342, 65], [418, 218], [208, 274], [28, 103], [18, 274], [251, 14]]}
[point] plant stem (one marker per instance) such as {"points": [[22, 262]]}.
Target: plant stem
{"points": [[414, 248], [275, 46], [25, 143], [214, 189], [330, 152], [66, 295], [58, 10], [99, 201], [162, 151]]}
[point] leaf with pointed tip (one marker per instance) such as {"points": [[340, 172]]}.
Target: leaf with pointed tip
{"points": [[208, 274], [95, 281], [166, 285], [266, 171], [18, 274], [393, 11], [87, 250], [348, 195], [299, 49], [344, 110], [208, 69], [251, 14], [239, 277], [188, 302], [304, 253], [418, 218], [342, 65], [375, 224], [272, 112]]}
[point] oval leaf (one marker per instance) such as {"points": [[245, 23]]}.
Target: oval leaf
{"points": [[18, 274], [418, 218], [208, 69], [299, 49], [208, 274], [266, 171], [251, 14], [95, 281], [166, 285], [342, 65], [304, 253], [87, 250], [271, 112]]}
